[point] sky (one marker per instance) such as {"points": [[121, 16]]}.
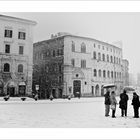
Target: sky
{"points": [[109, 27]]}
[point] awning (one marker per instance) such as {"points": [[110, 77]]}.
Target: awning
{"points": [[22, 84], [11, 84]]}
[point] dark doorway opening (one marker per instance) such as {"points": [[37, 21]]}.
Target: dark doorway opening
{"points": [[76, 88]]}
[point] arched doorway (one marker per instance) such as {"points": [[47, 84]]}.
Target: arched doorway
{"points": [[92, 90], [76, 87], [11, 89], [1, 89], [102, 90], [22, 89], [97, 90]]}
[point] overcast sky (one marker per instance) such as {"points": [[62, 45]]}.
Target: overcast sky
{"points": [[108, 27]]}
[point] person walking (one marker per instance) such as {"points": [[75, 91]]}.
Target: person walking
{"points": [[113, 103], [136, 105], [107, 103], [123, 103]]}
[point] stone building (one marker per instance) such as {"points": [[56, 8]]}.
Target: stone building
{"points": [[68, 64], [16, 55]]}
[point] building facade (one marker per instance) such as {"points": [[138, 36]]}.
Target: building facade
{"points": [[86, 65], [16, 55], [125, 66]]}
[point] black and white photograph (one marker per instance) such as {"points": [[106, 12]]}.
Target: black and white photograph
{"points": [[69, 70]]}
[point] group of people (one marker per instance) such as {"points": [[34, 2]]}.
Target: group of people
{"points": [[111, 102]]}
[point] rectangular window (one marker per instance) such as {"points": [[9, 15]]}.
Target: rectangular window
{"points": [[8, 33], [20, 49], [21, 35], [7, 48], [83, 63], [73, 62]]}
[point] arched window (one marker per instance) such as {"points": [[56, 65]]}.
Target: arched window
{"points": [[104, 73], [103, 55], [99, 56], [108, 74], [95, 72], [112, 74], [107, 58], [94, 55], [73, 47], [6, 67], [83, 48], [115, 74], [20, 68], [114, 59], [111, 59], [99, 73]]}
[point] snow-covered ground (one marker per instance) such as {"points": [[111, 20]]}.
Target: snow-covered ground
{"points": [[74, 113]]}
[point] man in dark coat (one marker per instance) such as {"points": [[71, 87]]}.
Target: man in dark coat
{"points": [[107, 103], [123, 103], [136, 105]]}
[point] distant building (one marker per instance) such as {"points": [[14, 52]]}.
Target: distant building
{"points": [[125, 66], [132, 80], [138, 79], [16, 55], [68, 64]]}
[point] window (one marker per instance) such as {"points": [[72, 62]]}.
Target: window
{"points": [[20, 49], [115, 74], [94, 45], [95, 72], [83, 63], [60, 68], [103, 47], [83, 48], [94, 55], [21, 35], [60, 79], [8, 33], [107, 58], [6, 67], [108, 74], [99, 73], [114, 59], [53, 53], [7, 48], [73, 62], [98, 46], [20, 68], [103, 55], [99, 56], [112, 74], [104, 73], [111, 58], [73, 47]]}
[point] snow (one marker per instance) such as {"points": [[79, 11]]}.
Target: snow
{"points": [[60, 113]]}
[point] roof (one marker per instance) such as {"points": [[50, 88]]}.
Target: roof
{"points": [[4, 17], [78, 37]]}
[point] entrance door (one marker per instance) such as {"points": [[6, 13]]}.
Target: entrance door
{"points": [[92, 90], [76, 87], [53, 93], [22, 90], [11, 91], [60, 93]]}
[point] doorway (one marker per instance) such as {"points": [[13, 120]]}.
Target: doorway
{"points": [[76, 87]]}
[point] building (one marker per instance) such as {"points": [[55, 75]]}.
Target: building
{"points": [[16, 55], [68, 64], [125, 66], [138, 79], [132, 80]]}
